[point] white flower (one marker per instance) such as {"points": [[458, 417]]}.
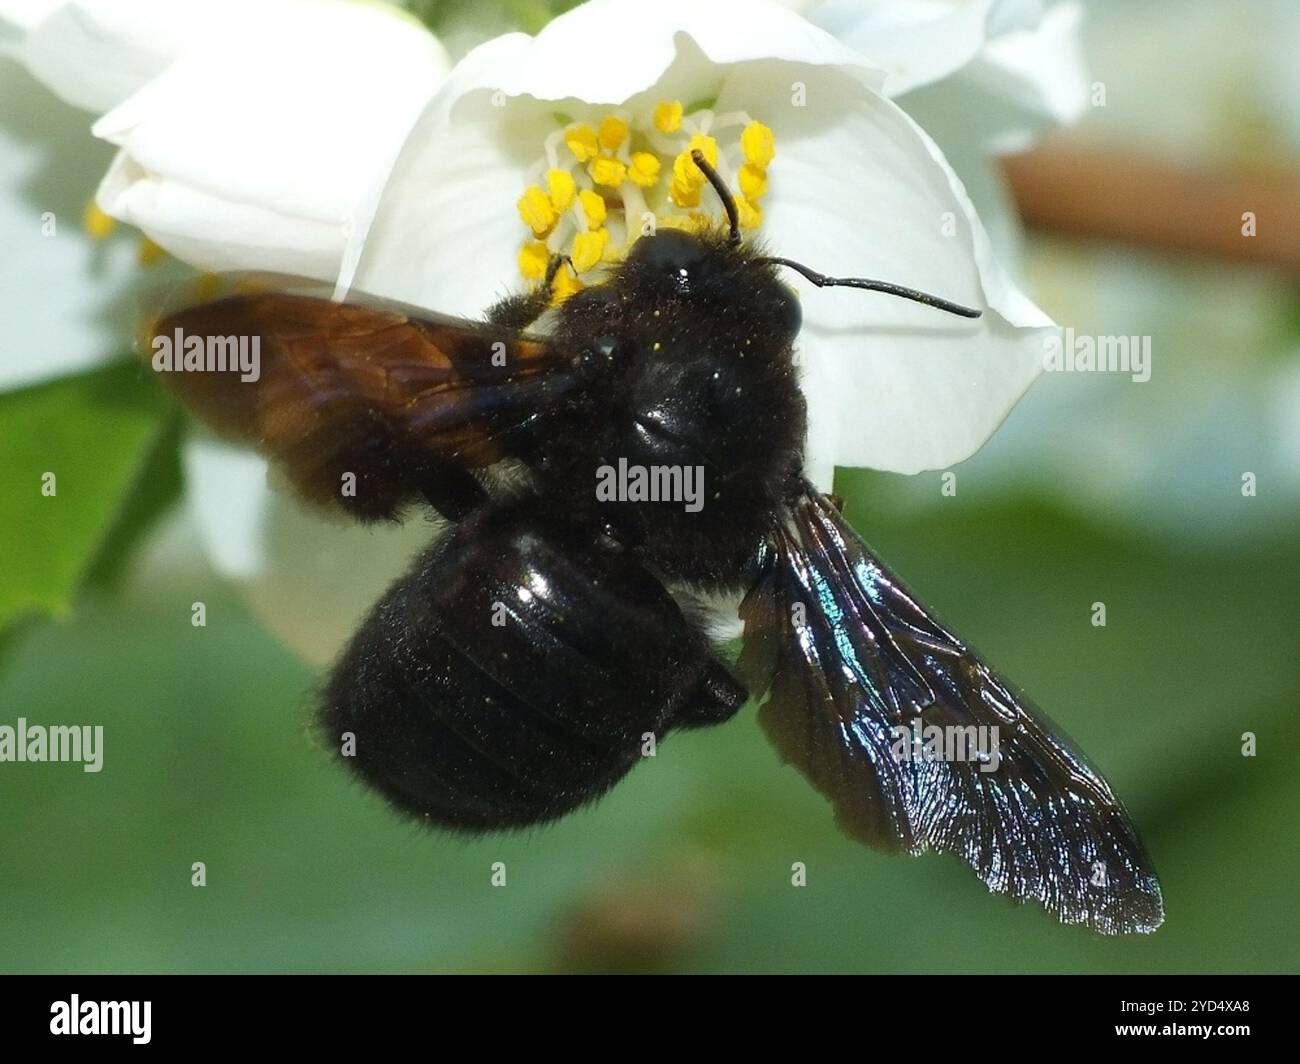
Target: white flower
{"points": [[855, 189], [249, 129]]}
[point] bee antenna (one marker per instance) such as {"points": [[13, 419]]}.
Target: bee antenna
{"points": [[822, 281], [724, 194]]}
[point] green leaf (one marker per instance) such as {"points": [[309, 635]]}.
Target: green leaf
{"points": [[157, 489], [72, 452]]}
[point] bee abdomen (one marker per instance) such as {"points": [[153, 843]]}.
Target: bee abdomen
{"points": [[517, 672]]}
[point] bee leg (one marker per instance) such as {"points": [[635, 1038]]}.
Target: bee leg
{"points": [[524, 308], [453, 492], [718, 698]]}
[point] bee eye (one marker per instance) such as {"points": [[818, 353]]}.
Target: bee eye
{"points": [[787, 312]]}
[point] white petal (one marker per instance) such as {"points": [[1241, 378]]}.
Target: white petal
{"points": [[95, 55], [445, 233], [217, 234], [916, 41], [859, 190], [260, 160], [999, 70], [1039, 69], [578, 56], [229, 500], [1019, 85], [19, 17], [1029, 76], [69, 296], [91, 55], [309, 579], [1022, 83]]}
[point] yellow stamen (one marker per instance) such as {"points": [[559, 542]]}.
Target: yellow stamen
{"points": [[561, 187], [148, 253], [588, 248], [660, 180], [582, 142], [536, 210], [687, 182], [759, 144], [145, 333], [534, 257], [644, 170], [695, 222], [753, 182], [564, 285], [751, 214], [683, 195], [702, 142], [97, 224], [613, 131], [606, 171], [593, 208], [668, 116]]}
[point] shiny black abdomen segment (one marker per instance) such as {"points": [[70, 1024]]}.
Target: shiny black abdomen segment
{"points": [[512, 675]]}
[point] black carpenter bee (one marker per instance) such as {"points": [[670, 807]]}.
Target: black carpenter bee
{"points": [[515, 672]]}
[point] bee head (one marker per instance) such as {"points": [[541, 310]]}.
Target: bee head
{"points": [[712, 273]]}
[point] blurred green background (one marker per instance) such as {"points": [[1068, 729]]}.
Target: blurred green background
{"points": [[1095, 490]]}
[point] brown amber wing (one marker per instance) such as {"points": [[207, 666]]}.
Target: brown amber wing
{"points": [[369, 390]]}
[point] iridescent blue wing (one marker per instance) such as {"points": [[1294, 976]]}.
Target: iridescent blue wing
{"points": [[919, 745]]}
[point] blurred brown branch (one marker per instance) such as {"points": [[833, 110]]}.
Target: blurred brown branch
{"points": [[1087, 192]]}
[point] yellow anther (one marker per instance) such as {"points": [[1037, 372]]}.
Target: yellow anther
{"points": [[564, 285], [753, 182], [687, 182], [536, 210], [702, 142], [148, 253], [604, 149], [668, 116], [759, 144], [644, 170], [695, 222], [751, 214], [534, 257], [593, 208], [606, 171], [145, 332], [588, 248], [207, 286], [97, 224], [684, 195], [561, 187], [686, 173], [582, 142], [613, 131]]}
